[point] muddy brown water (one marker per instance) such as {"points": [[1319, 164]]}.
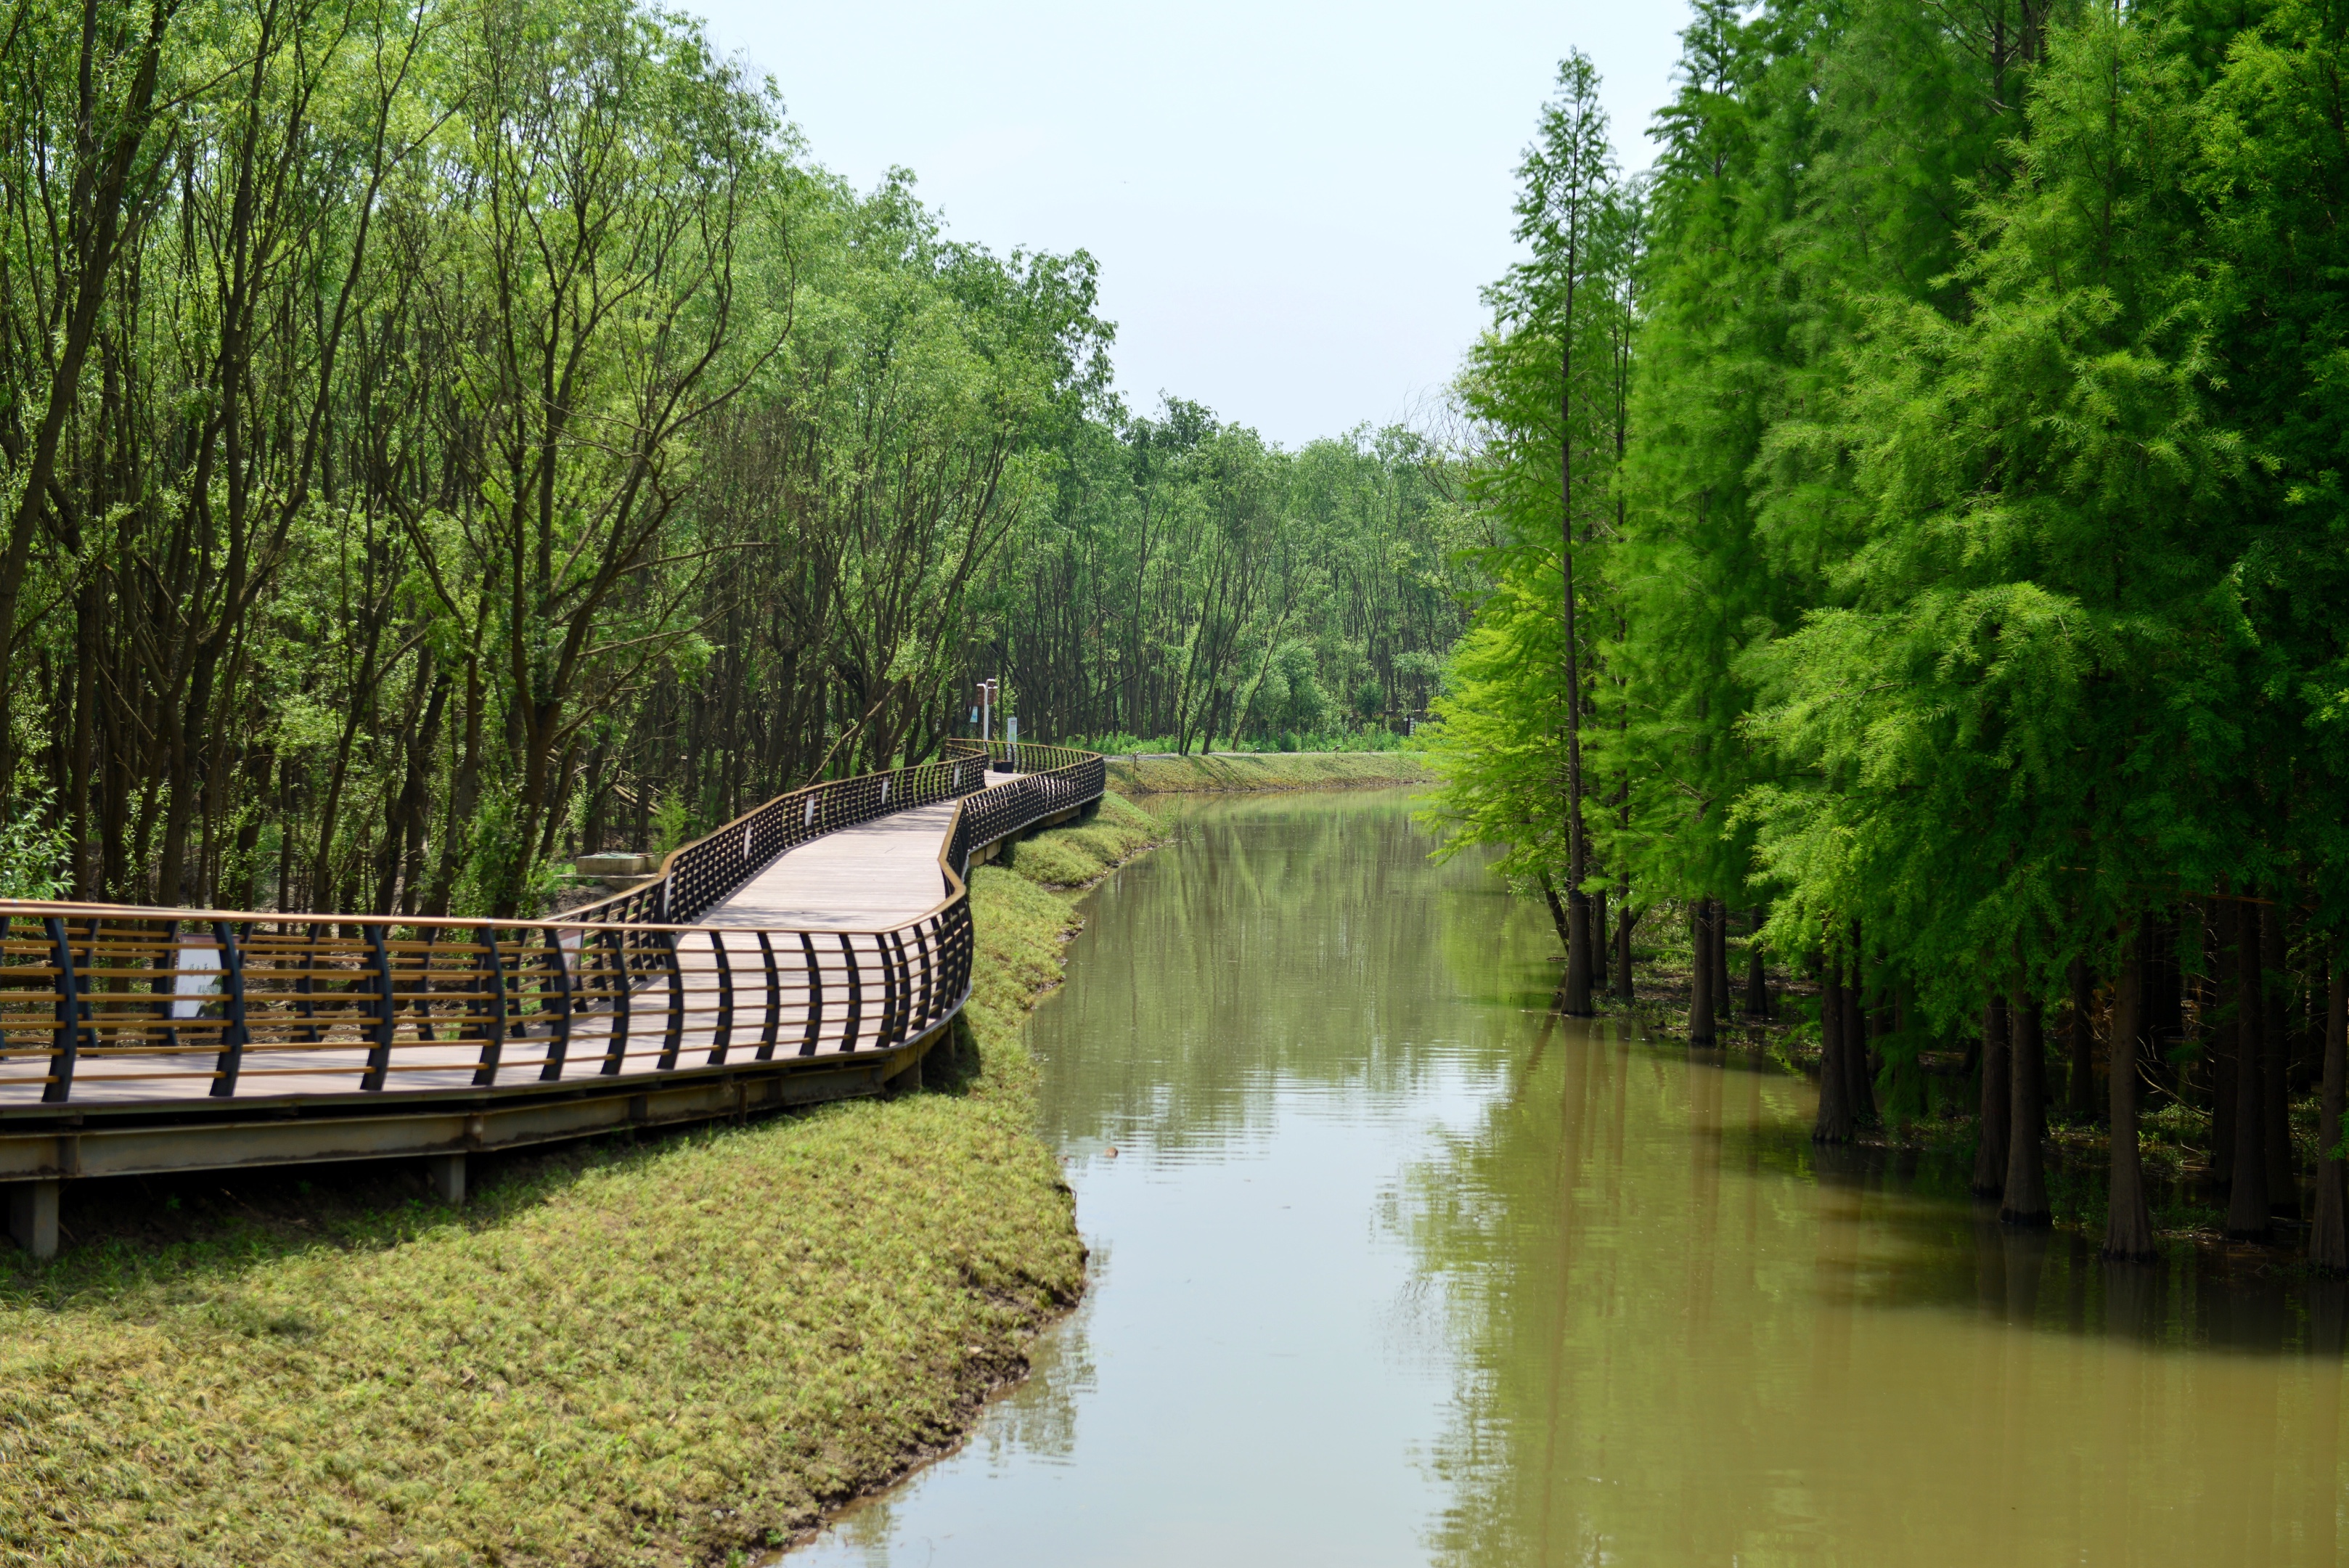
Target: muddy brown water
{"points": [[1392, 1266]]}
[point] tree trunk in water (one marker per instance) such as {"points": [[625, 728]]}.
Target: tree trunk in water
{"points": [[1724, 994], [2275, 1067], [1990, 1156], [1623, 922], [2024, 1200], [1599, 945], [2328, 1236], [2080, 1081], [1834, 1125], [2220, 961], [1757, 983], [2247, 1196], [1577, 954], [1861, 1072], [1578, 853], [2128, 1228], [1701, 972]]}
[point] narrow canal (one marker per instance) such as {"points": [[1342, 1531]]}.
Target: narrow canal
{"points": [[1391, 1266]]}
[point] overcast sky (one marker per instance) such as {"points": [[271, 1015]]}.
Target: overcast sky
{"points": [[1293, 203]]}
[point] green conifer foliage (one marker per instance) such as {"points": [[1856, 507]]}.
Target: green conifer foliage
{"points": [[1974, 563]]}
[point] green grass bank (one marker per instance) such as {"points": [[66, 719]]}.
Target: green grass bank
{"points": [[1265, 771], [671, 1352]]}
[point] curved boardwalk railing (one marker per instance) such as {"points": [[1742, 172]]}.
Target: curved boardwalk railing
{"points": [[163, 1017]]}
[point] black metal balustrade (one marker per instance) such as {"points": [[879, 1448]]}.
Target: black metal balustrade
{"points": [[110, 1006]]}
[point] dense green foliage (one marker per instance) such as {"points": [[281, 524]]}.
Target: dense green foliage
{"points": [[1188, 585], [435, 440], [1970, 565]]}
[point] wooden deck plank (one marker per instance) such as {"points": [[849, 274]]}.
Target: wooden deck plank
{"points": [[880, 874]]}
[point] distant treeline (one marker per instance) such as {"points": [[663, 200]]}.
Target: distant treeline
{"points": [[1190, 584], [1924, 519], [440, 438]]}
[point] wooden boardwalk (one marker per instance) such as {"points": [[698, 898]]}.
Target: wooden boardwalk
{"points": [[872, 877], [744, 978]]}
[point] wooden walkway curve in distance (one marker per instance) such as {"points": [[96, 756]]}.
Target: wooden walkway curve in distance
{"points": [[815, 949]]}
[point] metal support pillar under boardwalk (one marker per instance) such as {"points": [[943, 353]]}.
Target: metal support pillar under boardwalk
{"points": [[446, 1174], [33, 1215]]}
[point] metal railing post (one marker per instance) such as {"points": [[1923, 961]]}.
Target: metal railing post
{"points": [[922, 999], [66, 1049], [493, 1041], [774, 998], [815, 997], [387, 1016], [558, 1040], [306, 988], [723, 1034], [616, 1048], [233, 1037], [674, 1041], [855, 996]]}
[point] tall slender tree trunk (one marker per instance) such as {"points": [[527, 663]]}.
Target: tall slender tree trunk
{"points": [[2221, 960], [1624, 921], [2025, 1199], [2275, 1067], [1598, 947], [2328, 1235], [2128, 1227], [2080, 1076], [1861, 1080], [1757, 981], [2247, 1196], [1834, 1125], [1723, 993], [1578, 851], [1701, 1031], [1990, 1153]]}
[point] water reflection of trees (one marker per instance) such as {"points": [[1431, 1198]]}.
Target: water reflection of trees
{"points": [[1299, 941], [1681, 1340]]}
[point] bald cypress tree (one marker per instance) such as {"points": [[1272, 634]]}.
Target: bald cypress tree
{"points": [[1539, 388], [1985, 725]]}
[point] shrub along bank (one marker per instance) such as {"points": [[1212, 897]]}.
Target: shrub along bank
{"points": [[1234, 771], [661, 1352]]}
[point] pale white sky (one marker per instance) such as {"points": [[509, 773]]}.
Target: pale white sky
{"points": [[1294, 202]]}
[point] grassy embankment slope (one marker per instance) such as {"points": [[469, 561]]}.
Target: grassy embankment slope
{"points": [[1265, 771], [666, 1353]]}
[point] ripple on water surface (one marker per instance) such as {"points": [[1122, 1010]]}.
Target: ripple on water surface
{"points": [[1390, 1265]]}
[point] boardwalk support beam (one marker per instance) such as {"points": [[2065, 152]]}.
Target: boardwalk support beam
{"points": [[33, 1215], [446, 1175]]}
